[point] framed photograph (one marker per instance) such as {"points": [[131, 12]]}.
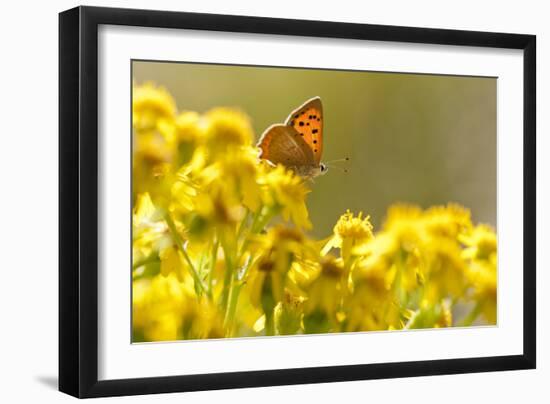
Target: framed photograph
{"points": [[252, 201]]}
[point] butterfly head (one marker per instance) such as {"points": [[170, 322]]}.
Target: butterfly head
{"points": [[313, 171]]}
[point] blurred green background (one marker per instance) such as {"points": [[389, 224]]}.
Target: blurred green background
{"points": [[423, 139]]}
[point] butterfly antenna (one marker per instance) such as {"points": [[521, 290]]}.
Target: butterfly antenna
{"points": [[337, 160], [344, 170]]}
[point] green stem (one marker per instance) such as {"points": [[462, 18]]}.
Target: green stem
{"points": [[242, 225], [264, 216], [269, 323], [147, 260], [213, 261], [201, 273], [258, 223], [472, 316], [234, 298], [228, 277], [256, 218], [179, 243], [232, 308]]}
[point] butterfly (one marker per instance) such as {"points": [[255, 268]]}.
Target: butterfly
{"points": [[298, 143]]}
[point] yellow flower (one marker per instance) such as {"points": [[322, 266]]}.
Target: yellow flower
{"points": [[159, 306], [165, 310], [151, 106], [276, 251], [288, 314], [436, 315], [384, 251], [188, 127], [428, 253], [265, 286], [356, 228], [144, 211], [273, 254], [350, 233], [219, 208], [153, 156], [481, 254], [150, 232], [183, 192], [283, 241], [448, 221], [325, 293], [483, 275], [405, 224], [171, 262], [445, 270], [203, 321], [153, 148], [217, 194], [372, 305], [226, 130], [154, 140], [234, 176], [481, 243], [285, 191]]}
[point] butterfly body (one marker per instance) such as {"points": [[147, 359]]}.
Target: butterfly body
{"points": [[298, 143]]}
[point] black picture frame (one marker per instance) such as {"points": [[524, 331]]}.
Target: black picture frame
{"points": [[78, 201]]}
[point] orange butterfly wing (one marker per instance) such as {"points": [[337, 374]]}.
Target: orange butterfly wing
{"points": [[282, 144], [308, 122]]}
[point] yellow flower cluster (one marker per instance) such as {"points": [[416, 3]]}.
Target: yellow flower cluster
{"points": [[220, 247]]}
